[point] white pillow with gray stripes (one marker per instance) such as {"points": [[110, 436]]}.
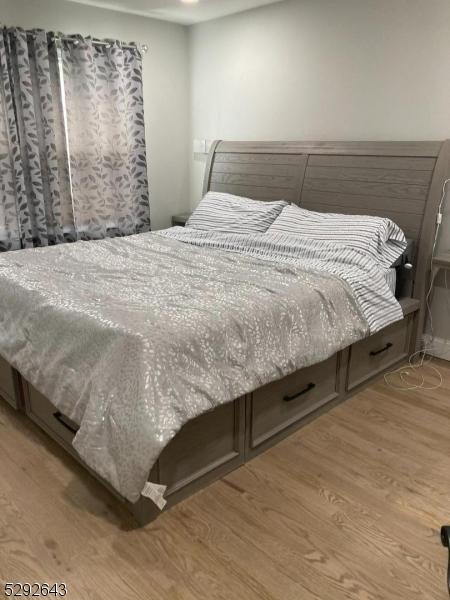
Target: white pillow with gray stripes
{"points": [[233, 214], [379, 236]]}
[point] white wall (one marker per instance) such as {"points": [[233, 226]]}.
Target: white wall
{"points": [[166, 85], [325, 69]]}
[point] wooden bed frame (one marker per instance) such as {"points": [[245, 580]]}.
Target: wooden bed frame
{"points": [[399, 180]]}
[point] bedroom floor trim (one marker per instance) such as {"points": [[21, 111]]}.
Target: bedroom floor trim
{"points": [[348, 507], [439, 347]]}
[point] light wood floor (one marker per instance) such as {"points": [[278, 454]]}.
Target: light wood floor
{"points": [[349, 507]]}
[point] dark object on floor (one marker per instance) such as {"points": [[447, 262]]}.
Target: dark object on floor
{"points": [[445, 537]]}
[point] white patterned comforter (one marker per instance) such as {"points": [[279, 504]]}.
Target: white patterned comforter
{"points": [[133, 337]]}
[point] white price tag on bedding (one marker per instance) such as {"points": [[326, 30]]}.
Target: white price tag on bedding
{"points": [[155, 493]]}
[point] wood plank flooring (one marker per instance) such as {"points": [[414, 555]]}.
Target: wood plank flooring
{"points": [[349, 507]]}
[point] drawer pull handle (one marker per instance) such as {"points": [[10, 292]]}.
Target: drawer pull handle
{"points": [[60, 418], [309, 387], [375, 352]]}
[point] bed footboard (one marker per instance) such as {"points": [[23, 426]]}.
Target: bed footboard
{"points": [[221, 440]]}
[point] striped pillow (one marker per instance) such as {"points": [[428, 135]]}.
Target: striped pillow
{"points": [[379, 236], [233, 214]]}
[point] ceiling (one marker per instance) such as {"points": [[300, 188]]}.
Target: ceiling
{"points": [[176, 10]]}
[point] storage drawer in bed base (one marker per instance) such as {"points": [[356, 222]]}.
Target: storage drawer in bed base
{"points": [[205, 449], [282, 405], [379, 352], [43, 413]]}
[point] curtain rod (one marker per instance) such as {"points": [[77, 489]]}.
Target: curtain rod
{"points": [[67, 38]]}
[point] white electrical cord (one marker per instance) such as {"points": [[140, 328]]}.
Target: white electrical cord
{"points": [[414, 367]]}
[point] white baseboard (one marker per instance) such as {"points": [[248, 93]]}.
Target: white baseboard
{"points": [[439, 347]]}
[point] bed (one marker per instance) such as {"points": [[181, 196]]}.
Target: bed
{"points": [[399, 180]]}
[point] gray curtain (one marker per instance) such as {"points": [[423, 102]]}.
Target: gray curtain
{"points": [[101, 189], [31, 174], [105, 123]]}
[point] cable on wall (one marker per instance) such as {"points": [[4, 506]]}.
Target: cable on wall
{"points": [[420, 360]]}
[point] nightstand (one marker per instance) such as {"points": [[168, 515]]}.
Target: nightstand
{"points": [[180, 220]]}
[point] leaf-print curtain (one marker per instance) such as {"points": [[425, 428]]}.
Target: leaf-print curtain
{"points": [[105, 124], [101, 189], [32, 174]]}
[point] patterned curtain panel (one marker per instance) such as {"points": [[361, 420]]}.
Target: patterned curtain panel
{"points": [[72, 148], [106, 138], [32, 174]]}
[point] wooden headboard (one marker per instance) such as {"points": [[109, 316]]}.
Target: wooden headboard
{"points": [[399, 180]]}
